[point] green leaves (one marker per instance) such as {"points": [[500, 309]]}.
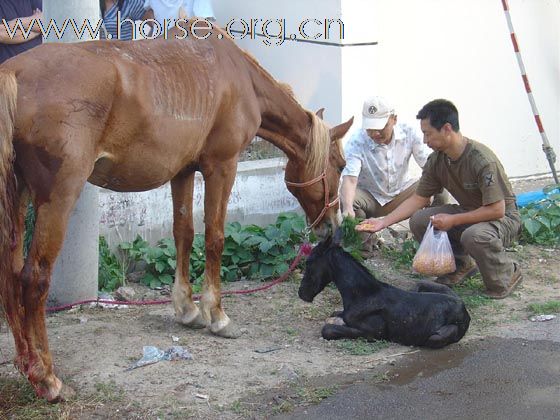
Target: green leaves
{"points": [[111, 270], [541, 220], [351, 241], [249, 251], [260, 253]]}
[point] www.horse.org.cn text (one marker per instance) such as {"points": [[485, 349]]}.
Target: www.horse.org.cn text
{"points": [[272, 32]]}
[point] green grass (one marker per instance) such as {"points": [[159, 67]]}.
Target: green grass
{"points": [[552, 306], [402, 254], [316, 395], [291, 331], [109, 391], [471, 292], [361, 347], [19, 402]]}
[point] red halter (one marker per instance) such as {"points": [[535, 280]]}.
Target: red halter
{"points": [[327, 205]]}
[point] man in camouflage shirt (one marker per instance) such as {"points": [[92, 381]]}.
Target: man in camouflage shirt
{"points": [[484, 221]]}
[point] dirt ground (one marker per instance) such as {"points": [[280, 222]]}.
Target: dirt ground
{"points": [[278, 363]]}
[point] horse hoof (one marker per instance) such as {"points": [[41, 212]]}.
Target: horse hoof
{"points": [[196, 323], [229, 331], [59, 393], [66, 394], [335, 320]]}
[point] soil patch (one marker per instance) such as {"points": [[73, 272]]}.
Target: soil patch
{"points": [[278, 363]]}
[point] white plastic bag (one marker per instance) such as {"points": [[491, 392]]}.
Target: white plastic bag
{"points": [[434, 256]]}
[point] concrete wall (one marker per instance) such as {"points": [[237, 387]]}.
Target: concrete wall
{"points": [[258, 196]]}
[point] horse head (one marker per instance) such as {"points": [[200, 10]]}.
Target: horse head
{"points": [[317, 271], [314, 181]]}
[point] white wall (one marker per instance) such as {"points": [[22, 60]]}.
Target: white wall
{"points": [[455, 49], [461, 50], [313, 71]]}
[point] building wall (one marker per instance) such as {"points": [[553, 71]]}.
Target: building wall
{"points": [[257, 197], [409, 51], [461, 50], [455, 49]]}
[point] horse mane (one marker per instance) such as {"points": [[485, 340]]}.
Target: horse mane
{"points": [[350, 265], [317, 148]]}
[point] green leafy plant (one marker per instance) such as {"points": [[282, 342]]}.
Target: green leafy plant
{"points": [[111, 270], [351, 240], [134, 250], [541, 219], [402, 254], [161, 262], [251, 251], [268, 250]]}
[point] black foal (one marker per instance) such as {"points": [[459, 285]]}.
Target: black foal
{"points": [[432, 315]]}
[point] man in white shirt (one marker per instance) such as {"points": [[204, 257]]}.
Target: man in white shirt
{"points": [[376, 180]]}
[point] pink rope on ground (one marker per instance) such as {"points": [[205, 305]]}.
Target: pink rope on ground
{"points": [[304, 250]]}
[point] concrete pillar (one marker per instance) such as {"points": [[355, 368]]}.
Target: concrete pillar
{"points": [[75, 273]]}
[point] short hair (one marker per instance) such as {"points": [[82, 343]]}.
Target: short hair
{"points": [[440, 112]]}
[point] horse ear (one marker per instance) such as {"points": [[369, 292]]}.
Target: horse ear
{"points": [[340, 130], [320, 112], [337, 240]]}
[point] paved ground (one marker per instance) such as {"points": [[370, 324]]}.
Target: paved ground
{"points": [[511, 377]]}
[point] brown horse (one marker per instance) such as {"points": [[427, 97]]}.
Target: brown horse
{"points": [[130, 116]]}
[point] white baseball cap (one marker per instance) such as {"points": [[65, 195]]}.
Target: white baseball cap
{"points": [[375, 113]]}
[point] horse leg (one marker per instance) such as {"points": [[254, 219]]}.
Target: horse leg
{"points": [[48, 237], [13, 300], [445, 335], [432, 287], [218, 184], [337, 332], [186, 312]]}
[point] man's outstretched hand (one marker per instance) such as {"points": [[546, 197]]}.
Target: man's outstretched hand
{"points": [[370, 225]]}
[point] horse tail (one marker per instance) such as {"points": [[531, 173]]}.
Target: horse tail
{"points": [[8, 99]]}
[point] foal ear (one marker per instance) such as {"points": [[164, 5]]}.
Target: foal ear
{"points": [[337, 240], [340, 130]]}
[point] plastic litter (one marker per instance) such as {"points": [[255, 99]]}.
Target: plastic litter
{"points": [[152, 354], [542, 318]]}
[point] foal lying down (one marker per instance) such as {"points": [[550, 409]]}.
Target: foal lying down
{"points": [[432, 315]]}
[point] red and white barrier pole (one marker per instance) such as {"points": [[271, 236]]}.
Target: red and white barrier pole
{"points": [[550, 155]]}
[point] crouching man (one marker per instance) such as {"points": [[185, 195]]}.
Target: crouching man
{"points": [[485, 221]]}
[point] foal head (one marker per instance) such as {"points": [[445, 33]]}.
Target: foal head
{"points": [[319, 268], [314, 180], [317, 271]]}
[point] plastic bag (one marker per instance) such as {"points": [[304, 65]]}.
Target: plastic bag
{"points": [[434, 256], [153, 354]]}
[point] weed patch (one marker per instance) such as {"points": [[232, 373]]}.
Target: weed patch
{"points": [[552, 306], [361, 347]]}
